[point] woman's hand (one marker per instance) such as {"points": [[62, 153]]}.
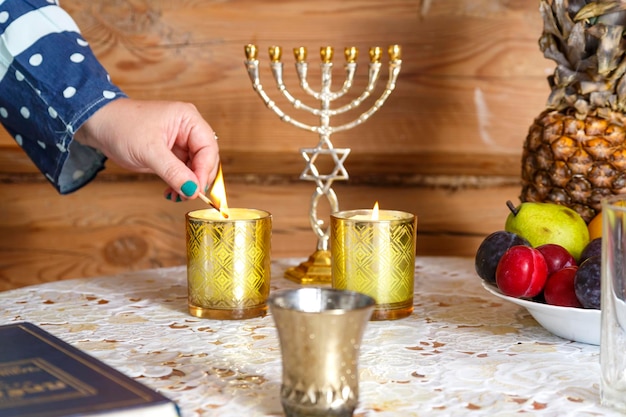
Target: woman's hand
{"points": [[170, 139]]}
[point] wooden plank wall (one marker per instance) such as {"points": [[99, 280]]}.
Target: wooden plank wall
{"points": [[446, 145]]}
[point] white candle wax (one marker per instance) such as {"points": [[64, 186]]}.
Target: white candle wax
{"points": [[382, 216], [234, 214]]}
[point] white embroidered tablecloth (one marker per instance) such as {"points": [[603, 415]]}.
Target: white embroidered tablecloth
{"points": [[463, 352]]}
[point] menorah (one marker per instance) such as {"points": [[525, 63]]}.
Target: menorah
{"points": [[317, 268]]}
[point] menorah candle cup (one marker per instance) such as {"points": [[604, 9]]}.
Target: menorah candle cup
{"points": [[320, 332], [375, 257], [228, 263]]}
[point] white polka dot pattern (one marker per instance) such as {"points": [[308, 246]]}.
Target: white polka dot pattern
{"points": [[36, 60], [55, 84], [77, 58], [69, 92]]}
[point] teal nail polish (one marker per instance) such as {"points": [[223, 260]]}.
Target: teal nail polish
{"points": [[169, 196], [189, 188], [178, 199]]}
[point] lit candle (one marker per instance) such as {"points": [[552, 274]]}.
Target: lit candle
{"points": [[228, 260], [373, 252]]}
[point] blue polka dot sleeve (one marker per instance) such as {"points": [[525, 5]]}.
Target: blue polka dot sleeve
{"points": [[50, 84]]}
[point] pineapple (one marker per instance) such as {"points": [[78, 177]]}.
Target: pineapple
{"points": [[575, 151]]}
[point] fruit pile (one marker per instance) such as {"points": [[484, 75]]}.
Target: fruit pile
{"points": [[545, 253]]}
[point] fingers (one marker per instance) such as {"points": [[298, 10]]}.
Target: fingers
{"points": [[205, 164], [204, 150], [190, 167], [170, 194], [183, 183]]}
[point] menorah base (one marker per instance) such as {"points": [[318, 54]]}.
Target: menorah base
{"points": [[315, 270]]}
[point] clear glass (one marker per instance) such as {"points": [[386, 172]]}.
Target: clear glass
{"points": [[228, 263], [613, 331], [375, 257]]}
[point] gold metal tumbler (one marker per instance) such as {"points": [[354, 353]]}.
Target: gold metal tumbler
{"points": [[320, 332], [228, 263]]}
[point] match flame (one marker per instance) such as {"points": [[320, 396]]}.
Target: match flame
{"points": [[375, 212], [218, 193]]}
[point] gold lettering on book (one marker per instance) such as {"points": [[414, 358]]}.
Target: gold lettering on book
{"points": [[30, 388], [33, 380], [18, 370]]}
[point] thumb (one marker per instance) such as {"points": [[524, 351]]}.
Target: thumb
{"points": [[175, 173]]}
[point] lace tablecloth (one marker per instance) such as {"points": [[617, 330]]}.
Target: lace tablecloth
{"points": [[463, 352]]}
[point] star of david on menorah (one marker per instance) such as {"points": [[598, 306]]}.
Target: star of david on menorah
{"points": [[317, 268]]}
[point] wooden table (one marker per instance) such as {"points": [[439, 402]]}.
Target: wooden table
{"points": [[463, 352]]}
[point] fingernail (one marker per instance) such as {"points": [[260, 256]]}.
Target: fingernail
{"points": [[169, 196], [189, 188], [178, 199]]}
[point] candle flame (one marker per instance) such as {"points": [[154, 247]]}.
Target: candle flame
{"points": [[375, 212], [218, 193]]}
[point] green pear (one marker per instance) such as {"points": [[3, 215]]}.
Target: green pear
{"points": [[542, 223]]}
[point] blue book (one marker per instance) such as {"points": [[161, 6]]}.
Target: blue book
{"points": [[43, 376]]}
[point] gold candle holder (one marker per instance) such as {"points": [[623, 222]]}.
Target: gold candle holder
{"points": [[375, 257], [228, 263]]}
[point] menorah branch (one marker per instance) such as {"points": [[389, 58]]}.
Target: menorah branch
{"points": [[325, 96], [253, 72], [277, 71], [394, 70]]}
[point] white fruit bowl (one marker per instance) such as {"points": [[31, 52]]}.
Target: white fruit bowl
{"points": [[577, 324]]}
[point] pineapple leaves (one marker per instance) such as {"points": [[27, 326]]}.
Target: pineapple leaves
{"points": [[601, 9], [576, 45], [586, 39], [611, 49]]}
